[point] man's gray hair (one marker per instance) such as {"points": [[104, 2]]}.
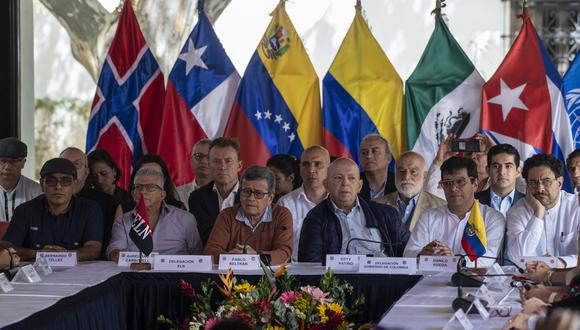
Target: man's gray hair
{"points": [[255, 172], [378, 136], [151, 172]]}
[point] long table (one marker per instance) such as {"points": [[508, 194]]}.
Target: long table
{"points": [[428, 305], [100, 295]]}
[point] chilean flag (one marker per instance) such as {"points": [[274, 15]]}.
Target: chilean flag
{"points": [[200, 91], [522, 102], [127, 109]]}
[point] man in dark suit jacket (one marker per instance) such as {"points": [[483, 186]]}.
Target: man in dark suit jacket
{"points": [[206, 202], [375, 157], [503, 166], [330, 225]]}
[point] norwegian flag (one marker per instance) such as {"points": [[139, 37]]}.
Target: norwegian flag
{"points": [[127, 109], [523, 104], [141, 233]]}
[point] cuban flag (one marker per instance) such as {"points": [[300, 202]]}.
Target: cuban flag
{"points": [[277, 106], [522, 102], [127, 109], [200, 91], [571, 90]]}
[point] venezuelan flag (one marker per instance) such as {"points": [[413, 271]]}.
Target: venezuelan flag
{"points": [[277, 106], [362, 94], [474, 241]]}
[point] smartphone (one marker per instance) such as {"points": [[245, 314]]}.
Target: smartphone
{"points": [[465, 145]]}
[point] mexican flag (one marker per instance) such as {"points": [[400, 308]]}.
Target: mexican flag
{"points": [[442, 95]]}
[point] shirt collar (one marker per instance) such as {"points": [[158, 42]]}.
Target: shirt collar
{"points": [[510, 196], [234, 191], [241, 217], [302, 194], [412, 201], [337, 209]]}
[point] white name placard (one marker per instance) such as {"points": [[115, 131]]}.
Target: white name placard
{"points": [[59, 259], [552, 262], [5, 285], [462, 318], [183, 263], [438, 264], [26, 274], [42, 267], [344, 262], [484, 293], [386, 265], [239, 261], [126, 258], [481, 309]]}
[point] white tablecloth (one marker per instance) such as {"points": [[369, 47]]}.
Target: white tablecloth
{"points": [[428, 306]]}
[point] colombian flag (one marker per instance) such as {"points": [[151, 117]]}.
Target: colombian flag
{"points": [[277, 106], [362, 94], [474, 241]]}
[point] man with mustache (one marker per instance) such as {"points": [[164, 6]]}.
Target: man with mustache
{"points": [[546, 221], [410, 199], [439, 231]]}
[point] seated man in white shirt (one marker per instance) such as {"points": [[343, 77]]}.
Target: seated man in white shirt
{"points": [[314, 164], [545, 222], [439, 231]]}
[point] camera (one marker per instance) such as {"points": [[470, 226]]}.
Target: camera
{"points": [[465, 145]]}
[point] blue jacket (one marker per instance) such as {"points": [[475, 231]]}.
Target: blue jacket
{"points": [[321, 233]]}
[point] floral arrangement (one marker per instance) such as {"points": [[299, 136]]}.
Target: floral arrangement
{"points": [[275, 302]]}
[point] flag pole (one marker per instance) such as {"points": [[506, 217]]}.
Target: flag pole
{"points": [[358, 5]]}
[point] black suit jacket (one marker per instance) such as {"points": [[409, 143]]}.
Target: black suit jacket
{"points": [[204, 205], [484, 197], [365, 192]]}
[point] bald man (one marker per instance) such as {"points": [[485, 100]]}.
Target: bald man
{"points": [[410, 199], [343, 217], [314, 164]]}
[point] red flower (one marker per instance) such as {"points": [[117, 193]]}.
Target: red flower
{"points": [[335, 320], [186, 288]]}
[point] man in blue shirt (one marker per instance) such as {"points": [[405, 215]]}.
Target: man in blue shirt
{"points": [[57, 221]]}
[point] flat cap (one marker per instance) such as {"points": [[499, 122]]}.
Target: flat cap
{"points": [[11, 147], [58, 165]]}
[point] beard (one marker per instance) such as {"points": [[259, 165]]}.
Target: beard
{"points": [[408, 188]]}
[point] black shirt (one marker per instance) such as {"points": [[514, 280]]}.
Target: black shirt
{"points": [[365, 191], [33, 226], [108, 208]]}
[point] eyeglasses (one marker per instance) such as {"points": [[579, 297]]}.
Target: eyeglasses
{"points": [[52, 181], [535, 184], [199, 156], [10, 161], [459, 182], [149, 187], [247, 192]]}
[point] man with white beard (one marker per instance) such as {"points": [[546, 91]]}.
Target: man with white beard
{"points": [[410, 198]]}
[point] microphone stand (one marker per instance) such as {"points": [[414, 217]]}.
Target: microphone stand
{"points": [[464, 278], [392, 253]]}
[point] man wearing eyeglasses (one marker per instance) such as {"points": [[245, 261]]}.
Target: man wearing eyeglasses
{"points": [[344, 217], [546, 221], [314, 163], [200, 165], [254, 226], [439, 231], [206, 202], [15, 188], [174, 230], [57, 221]]}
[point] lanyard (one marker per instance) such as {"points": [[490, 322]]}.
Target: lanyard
{"points": [[6, 205]]}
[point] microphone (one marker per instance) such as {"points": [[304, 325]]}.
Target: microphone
{"points": [[464, 278], [245, 248], [520, 269], [392, 253]]}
